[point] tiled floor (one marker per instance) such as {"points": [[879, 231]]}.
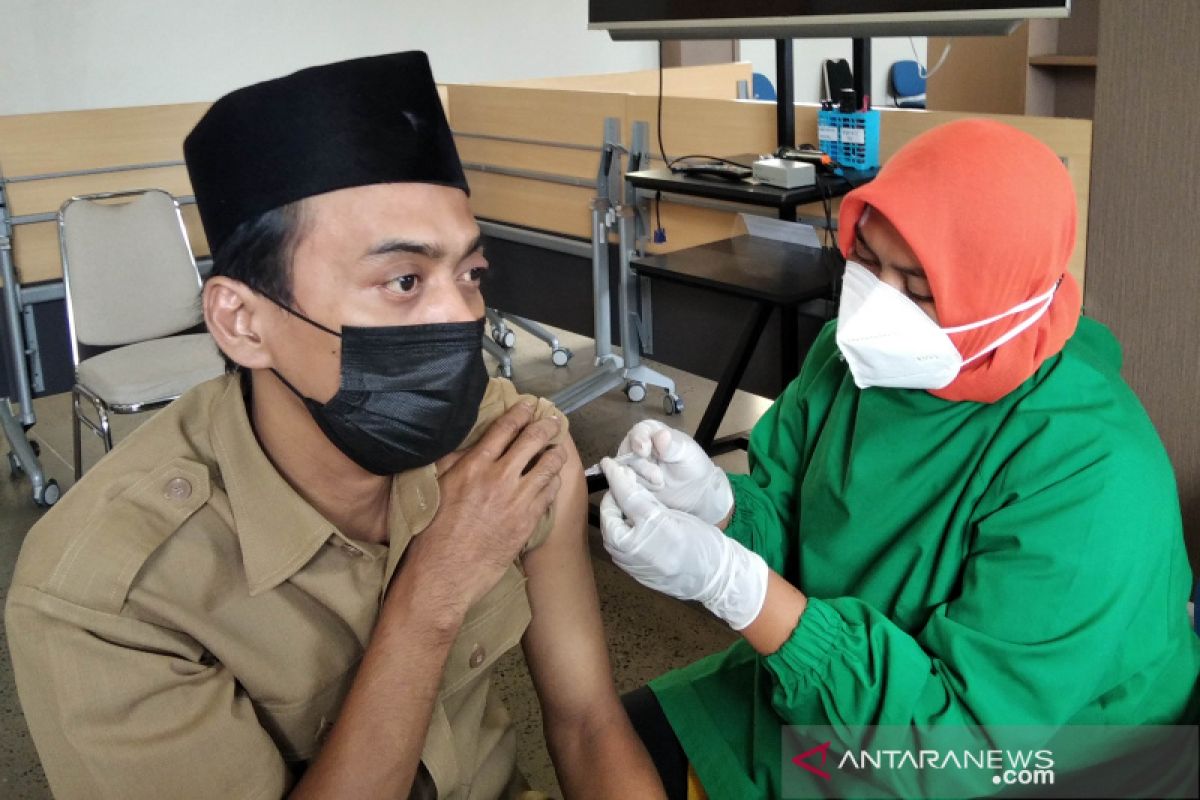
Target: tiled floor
{"points": [[647, 633]]}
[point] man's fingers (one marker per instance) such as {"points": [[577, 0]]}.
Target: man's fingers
{"points": [[548, 494], [447, 462], [633, 499], [531, 442], [549, 462], [501, 433]]}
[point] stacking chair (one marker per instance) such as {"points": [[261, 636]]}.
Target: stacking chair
{"points": [[906, 84], [131, 285]]}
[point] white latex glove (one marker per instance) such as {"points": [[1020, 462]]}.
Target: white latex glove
{"points": [[677, 471], [678, 554]]}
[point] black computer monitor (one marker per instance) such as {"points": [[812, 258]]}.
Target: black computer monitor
{"points": [[778, 19]]}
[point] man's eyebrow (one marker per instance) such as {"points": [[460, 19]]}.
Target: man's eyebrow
{"points": [[916, 272], [425, 249]]}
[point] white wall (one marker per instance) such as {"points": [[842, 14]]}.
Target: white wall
{"points": [[809, 54], [58, 55]]}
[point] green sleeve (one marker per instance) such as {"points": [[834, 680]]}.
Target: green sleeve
{"points": [[1076, 554]]}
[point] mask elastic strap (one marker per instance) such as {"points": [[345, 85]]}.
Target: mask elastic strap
{"points": [[1045, 299], [288, 384], [1017, 309], [312, 322]]}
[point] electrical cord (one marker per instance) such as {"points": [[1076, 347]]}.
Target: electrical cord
{"points": [[921, 69], [662, 151], [671, 164]]}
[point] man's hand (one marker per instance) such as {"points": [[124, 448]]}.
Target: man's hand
{"points": [[492, 497], [677, 471], [677, 553]]}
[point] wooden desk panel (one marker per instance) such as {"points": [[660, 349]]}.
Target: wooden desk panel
{"points": [[41, 196], [538, 114], [714, 81], [34, 144]]}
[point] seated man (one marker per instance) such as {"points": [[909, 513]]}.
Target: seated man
{"points": [[298, 577]]}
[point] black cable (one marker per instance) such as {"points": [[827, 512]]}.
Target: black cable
{"points": [[835, 285], [660, 232], [676, 160], [827, 204], [662, 151], [843, 178]]}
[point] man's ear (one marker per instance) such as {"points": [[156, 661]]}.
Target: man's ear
{"points": [[235, 315]]}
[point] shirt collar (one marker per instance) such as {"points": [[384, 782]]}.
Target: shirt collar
{"points": [[279, 532]]}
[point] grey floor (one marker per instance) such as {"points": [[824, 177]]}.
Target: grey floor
{"points": [[647, 633]]}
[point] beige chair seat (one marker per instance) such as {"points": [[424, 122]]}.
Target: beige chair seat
{"points": [[131, 284], [151, 371]]}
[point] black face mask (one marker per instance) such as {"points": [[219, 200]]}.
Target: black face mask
{"points": [[409, 394]]}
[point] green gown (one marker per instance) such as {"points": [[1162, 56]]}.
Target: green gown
{"points": [[1013, 563]]}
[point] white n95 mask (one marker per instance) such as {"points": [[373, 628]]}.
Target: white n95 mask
{"points": [[887, 340]]}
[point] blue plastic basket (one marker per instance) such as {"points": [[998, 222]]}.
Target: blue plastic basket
{"points": [[852, 140]]}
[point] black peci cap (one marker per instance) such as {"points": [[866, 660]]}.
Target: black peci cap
{"points": [[353, 123]]}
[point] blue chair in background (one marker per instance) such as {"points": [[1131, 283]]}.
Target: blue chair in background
{"points": [[907, 85], [762, 88]]}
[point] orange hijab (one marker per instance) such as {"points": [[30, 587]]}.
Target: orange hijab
{"points": [[990, 213]]}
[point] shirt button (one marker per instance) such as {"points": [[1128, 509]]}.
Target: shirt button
{"points": [[177, 489], [351, 550], [477, 656]]}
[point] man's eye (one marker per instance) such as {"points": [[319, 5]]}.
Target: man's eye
{"points": [[476, 274], [404, 284]]}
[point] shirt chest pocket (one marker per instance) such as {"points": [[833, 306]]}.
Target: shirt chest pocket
{"points": [[493, 626], [299, 728], [457, 730]]}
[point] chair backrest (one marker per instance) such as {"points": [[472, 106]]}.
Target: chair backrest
{"points": [[763, 89], [127, 268], [906, 80], [837, 76]]}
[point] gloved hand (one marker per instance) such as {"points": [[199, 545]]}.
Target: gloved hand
{"points": [[677, 471], [678, 554]]}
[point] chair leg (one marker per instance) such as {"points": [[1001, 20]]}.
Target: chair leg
{"points": [[77, 431], [105, 429]]}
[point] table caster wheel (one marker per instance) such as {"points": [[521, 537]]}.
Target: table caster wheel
{"points": [[672, 404], [504, 337], [561, 356], [48, 495], [636, 392]]}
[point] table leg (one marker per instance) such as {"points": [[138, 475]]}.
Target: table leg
{"points": [[744, 349], [789, 345]]}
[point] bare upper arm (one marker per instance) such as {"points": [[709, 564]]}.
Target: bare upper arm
{"points": [[564, 644]]}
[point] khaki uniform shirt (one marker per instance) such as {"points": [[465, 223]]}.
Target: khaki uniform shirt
{"points": [[183, 624]]}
